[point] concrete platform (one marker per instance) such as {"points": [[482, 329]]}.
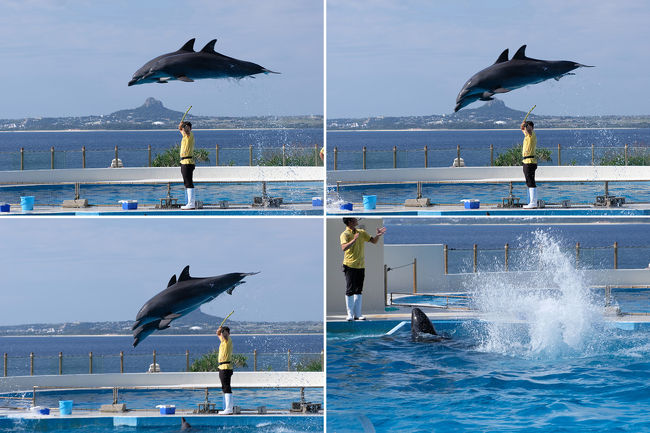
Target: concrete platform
{"points": [[25, 421], [638, 212], [150, 210]]}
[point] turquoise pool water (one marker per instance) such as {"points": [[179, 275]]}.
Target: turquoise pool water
{"points": [[576, 193], [298, 192], [543, 358], [470, 383], [183, 399]]}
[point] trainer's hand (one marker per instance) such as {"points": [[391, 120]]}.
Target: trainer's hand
{"points": [[381, 231]]}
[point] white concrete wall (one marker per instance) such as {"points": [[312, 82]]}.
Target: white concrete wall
{"points": [[545, 173], [430, 267], [373, 292], [431, 277], [162, 174], [244, 379]]}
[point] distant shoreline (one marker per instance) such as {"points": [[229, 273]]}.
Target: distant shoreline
{"points": [[470, 129], [155, 130]]}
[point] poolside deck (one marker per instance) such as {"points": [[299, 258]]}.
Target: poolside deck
{"points": [[149, 210], [152, 418], [637, 212]]}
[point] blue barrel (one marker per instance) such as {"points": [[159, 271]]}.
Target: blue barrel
{"points": [[369, 202], [65, 407], [27, 203]]}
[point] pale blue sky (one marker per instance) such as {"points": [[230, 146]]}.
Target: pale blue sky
{"points": [[412, 57], [99, 269], [75, 57]]}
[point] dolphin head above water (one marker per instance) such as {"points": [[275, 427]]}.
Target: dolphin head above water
{"points": [[420, 324]]}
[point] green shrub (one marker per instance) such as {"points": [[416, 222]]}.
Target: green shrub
{"points": [[293, 157], [635, 157], [210, 362], [172, 157], [313, 365], [513, 156]]}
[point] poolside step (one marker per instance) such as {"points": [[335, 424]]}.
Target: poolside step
{"points": [[78, 203]]}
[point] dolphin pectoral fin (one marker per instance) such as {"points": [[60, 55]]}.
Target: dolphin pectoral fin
{"points": [[162, 80], [501, 90], [164, 324], [184, 78], [172, 316], [229, 291]]}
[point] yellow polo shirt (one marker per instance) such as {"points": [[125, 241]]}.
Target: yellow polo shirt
{"points": [[354, 257], [187, 148], [528, 149], [225, 354]]}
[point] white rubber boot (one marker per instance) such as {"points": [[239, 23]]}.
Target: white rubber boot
{"points": [[190, 199], [349, 305], [357, 308], [227, 404], [532, 202]]}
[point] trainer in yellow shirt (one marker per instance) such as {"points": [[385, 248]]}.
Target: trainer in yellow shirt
{"points": [[353, 245], [225, 368], [529, 161], [187, 163]]}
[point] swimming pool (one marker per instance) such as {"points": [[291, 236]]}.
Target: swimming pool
{"points": [[556, 192], [84, 401], [291, 192], [466, 384], [541, 356]]}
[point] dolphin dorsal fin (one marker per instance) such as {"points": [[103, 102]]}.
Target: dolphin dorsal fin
{"points": [[520, 54], [185, 274], [172, 280], [209, 47], [503, 57], [189, 46]]}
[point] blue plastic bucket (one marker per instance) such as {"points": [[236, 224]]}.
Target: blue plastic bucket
{"points": [[27, 203], [369, 202], [316, 201], [346, 206], [5, 207], [65, 407]]}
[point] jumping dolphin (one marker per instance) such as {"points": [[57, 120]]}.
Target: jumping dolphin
{"points": [[506, 75], [188, 65], [180, 298]]}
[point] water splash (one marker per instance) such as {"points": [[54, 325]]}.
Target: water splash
{"points": [[548, 311]]}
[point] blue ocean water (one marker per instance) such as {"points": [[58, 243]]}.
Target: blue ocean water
{"points": [[234, 146], [392, 383], [475, 146], [272, 352], [596, 242]]}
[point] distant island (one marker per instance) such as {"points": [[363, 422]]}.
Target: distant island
{"points": [[196, 322], [154, 115], [492, 115]]}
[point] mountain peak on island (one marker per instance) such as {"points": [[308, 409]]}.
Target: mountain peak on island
{"points": [[152, 102], [152, 110], [495, 108]]}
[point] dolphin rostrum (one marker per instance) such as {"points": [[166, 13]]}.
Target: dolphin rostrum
{"points": [[180, 298], [189, 65], [506, 75]]}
